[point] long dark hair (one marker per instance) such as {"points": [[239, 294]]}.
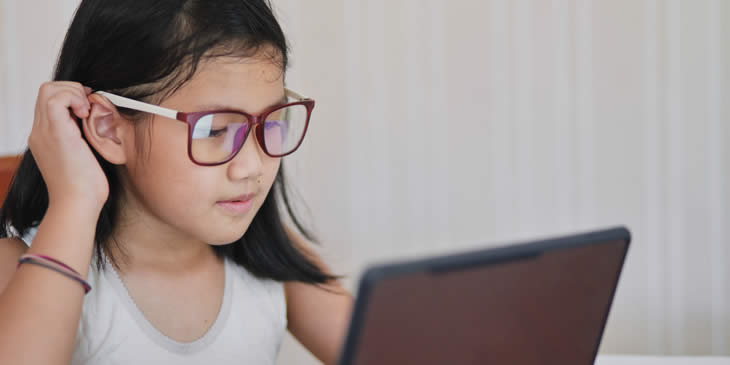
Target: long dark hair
{"points": [[146, 50]]}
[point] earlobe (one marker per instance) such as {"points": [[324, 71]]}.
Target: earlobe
{"points": [[104, 129]]}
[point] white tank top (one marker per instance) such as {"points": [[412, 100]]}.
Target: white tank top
{"points": [[248, 330]]}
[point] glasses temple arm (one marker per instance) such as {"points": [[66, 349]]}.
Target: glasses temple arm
{"points": [[293, 94], [123, 102]]}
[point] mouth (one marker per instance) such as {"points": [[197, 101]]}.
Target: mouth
{"points": [[238, 205], [239, 199]]}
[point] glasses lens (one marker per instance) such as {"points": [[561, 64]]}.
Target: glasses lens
{"points": [[284, 129], [217, 136]]}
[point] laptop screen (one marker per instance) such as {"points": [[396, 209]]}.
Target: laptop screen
{"points": [[548, 306]]}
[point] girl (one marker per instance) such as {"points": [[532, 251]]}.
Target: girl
{"points": [[154, 178]]}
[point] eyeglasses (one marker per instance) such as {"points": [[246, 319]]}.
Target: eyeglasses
{"points": [[215, 137]]}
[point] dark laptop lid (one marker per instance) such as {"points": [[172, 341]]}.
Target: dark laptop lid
{"points": [[543, 302]]}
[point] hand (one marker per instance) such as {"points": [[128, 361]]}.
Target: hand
{"points": [[69, 168]]}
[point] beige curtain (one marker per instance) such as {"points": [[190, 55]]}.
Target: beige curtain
{"points": [[446, 125]]}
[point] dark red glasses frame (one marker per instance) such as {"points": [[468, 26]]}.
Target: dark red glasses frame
{"points": [[191, 119]]}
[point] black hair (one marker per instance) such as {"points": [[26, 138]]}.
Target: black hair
{"points": [[146, 50]]}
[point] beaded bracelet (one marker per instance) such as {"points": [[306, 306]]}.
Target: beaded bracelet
{"points": [[55, 265]]}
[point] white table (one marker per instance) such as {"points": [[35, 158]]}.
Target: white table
{"points": [[660, 360]]}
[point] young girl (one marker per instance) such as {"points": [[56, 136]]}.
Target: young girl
{"points": [[153, 177]]}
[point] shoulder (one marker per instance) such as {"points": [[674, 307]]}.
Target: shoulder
{"points": [[252, 282], [12, 247], [10, 251], [25, 238], [263, 294]]}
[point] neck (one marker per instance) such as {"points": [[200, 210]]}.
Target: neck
{"points": [[147, 243]]}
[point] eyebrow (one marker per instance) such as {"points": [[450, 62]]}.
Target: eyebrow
{"points": [[212, 107]]}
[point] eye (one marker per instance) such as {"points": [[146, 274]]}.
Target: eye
{"points": [[217, 132]]}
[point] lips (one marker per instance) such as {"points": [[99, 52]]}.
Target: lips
{"points": [[239, 199], [239, 205]]}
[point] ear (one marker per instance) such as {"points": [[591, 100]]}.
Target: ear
{"points": [[106, 131]]}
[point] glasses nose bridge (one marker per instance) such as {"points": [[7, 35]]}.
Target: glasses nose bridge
{"points": [[255, 120], [243, 152], [253, 128], [257, 123]]}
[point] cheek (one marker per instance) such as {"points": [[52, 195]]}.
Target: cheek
{"points": [[164, 174], [271, 168]]}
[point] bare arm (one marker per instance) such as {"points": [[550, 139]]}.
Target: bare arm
{"points": [[318, 315], [39, 308]]}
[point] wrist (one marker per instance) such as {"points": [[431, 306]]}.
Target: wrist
{"points": [[82, 208], [67, 234], [77, 215]]}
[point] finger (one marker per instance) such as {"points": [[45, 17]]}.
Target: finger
{"points": [[81, 106], [59, 104], [54, 101], [76, 89], [73, 84], [81, 89], [48, 89]]}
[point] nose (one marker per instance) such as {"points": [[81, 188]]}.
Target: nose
{"points": [[248, 163]]}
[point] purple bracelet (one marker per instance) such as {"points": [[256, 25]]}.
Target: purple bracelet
{"points": [[51, 259], [38, 260]]}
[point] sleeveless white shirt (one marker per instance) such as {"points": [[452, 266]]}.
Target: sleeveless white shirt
{"points": [[248, 330]]}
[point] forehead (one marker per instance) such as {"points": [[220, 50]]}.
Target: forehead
{"points": [[251, 84]]}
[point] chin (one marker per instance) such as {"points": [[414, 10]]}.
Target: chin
{"points": [[224, 238]]}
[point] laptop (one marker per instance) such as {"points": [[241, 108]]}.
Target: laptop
{"points": [[541, 302]]}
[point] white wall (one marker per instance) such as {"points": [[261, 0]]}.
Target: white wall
{"points": [[443, 126], [31, 33]]}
